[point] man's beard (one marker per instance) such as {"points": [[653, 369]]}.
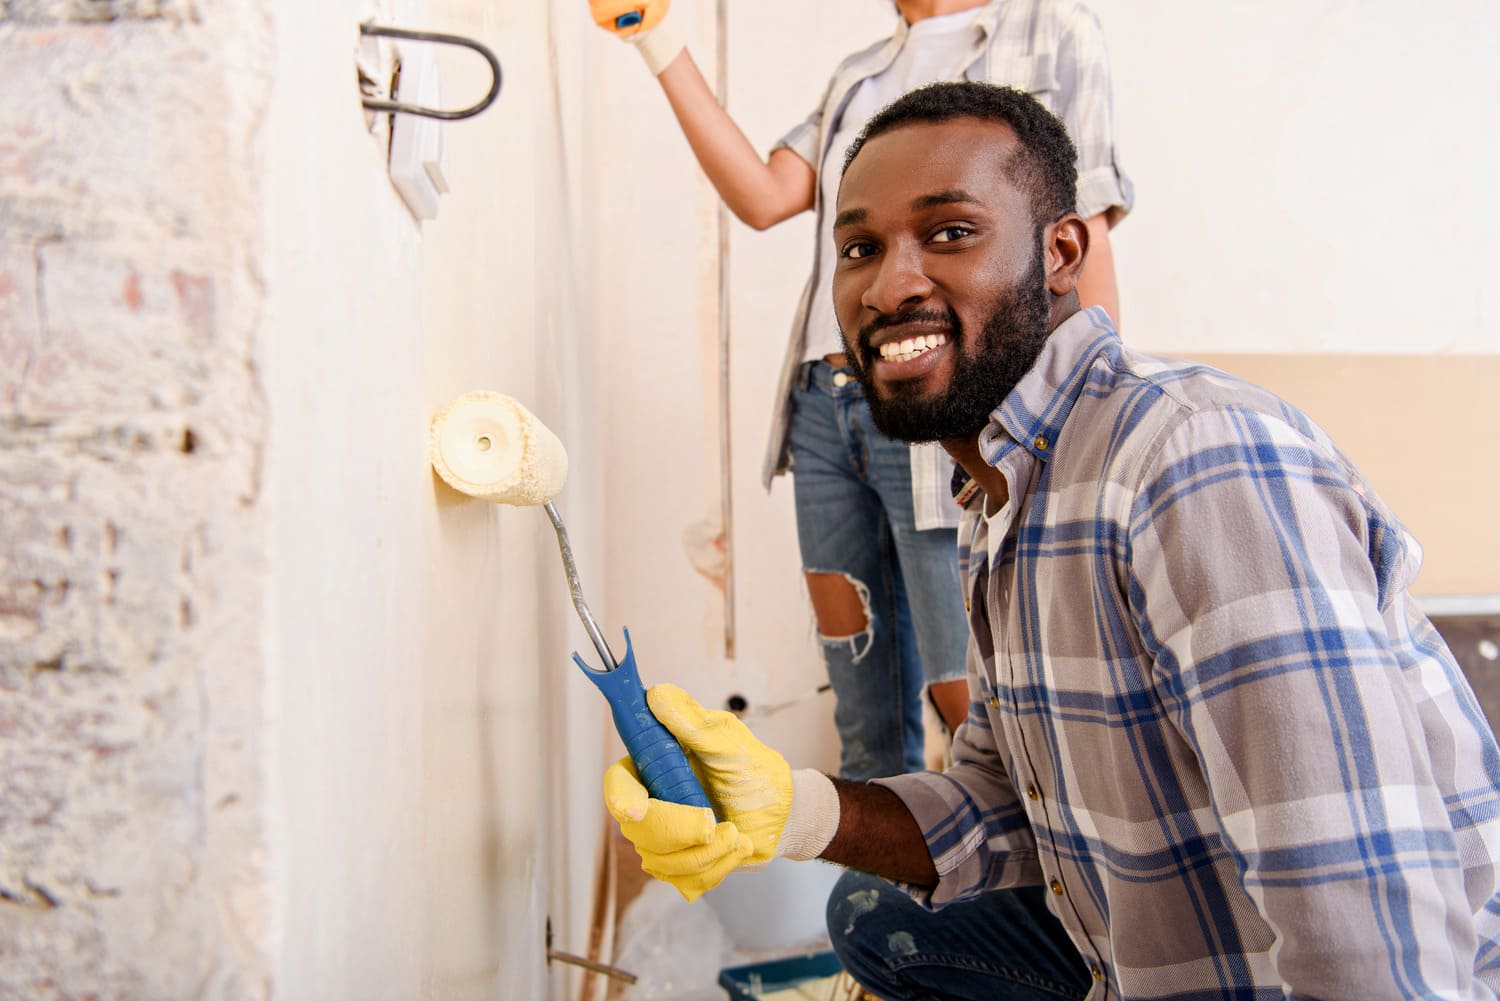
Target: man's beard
{"points": [[1009, 344]]}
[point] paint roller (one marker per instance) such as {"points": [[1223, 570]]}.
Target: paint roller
{"points": [[489, 446]]}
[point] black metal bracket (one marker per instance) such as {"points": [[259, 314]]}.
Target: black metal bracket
{"points": [[439, 38]]}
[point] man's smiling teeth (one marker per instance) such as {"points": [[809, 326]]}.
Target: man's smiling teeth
{"points": [[911, 347]]}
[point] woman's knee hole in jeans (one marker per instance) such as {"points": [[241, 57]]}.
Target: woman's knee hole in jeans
{"points": [[841, 604]]}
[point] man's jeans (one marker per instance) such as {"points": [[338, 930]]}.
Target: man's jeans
{"points": [[1000, 946], [855, 518]]}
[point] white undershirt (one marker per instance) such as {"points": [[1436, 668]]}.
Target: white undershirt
{"points": [[934, 47]]}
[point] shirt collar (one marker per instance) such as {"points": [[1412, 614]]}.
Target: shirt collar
{"points": [[985, 22], [1033, 415]]}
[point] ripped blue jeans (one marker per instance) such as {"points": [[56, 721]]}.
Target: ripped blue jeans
{"points": [[853, 497]]}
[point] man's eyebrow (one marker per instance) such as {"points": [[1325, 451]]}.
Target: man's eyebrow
{"points": [[852, 217], [849, 217], [942, 198]]}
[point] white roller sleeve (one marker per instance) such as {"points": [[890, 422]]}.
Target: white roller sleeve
{"points": [[814, 818], [489, 446]]}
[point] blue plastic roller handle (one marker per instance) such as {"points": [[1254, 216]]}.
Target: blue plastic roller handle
{"points": [[657, 755], [629, 19]]}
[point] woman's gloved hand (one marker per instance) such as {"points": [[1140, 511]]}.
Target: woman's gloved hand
{"points": [[749, 784], [644, 24]]}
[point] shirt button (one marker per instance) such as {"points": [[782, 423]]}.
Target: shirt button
{"points": [[994, 702], [840, 380], [1098, 973], [1031, 792], [1057, 887], [1041, 443]]}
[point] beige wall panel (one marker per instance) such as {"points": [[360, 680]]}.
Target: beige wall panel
{"points": [[1425, 429]]}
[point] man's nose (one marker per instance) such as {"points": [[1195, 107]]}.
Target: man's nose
{"points": [[899, 281]]}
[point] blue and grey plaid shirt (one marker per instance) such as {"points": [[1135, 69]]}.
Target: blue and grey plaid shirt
{"points": [[1206, 712]]}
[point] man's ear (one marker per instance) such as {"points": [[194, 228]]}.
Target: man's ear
{"points": [[1065, 244]]}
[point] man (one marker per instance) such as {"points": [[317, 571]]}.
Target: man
{"points": [[875, 522], [1205, 714]]}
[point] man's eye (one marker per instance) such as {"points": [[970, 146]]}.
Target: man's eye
{"points": [[950, 233], [857, 249]]}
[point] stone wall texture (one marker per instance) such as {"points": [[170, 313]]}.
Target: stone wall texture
{"points": [[132, 785]]}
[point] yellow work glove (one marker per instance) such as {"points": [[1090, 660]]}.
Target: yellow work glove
{"points": [[749, 784], [657, 39]]}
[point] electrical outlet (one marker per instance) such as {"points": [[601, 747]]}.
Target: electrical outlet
{"points": [[417, 150]]}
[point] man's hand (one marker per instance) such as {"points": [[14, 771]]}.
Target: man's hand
{"points": [[607, 12], [749, 784], [678, 844]]}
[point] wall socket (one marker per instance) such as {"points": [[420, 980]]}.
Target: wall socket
{"points": [[417, 162]]}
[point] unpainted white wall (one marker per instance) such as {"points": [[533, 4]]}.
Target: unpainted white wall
{"points": [[1312, 177]]}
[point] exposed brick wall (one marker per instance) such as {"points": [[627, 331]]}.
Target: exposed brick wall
{"points": [[42, 11], [132, 828]]}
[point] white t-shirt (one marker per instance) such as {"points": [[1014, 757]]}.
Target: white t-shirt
{"points": [[933, 46]]}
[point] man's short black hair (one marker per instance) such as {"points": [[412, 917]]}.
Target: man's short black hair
{"points": [[1045, 165]]}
